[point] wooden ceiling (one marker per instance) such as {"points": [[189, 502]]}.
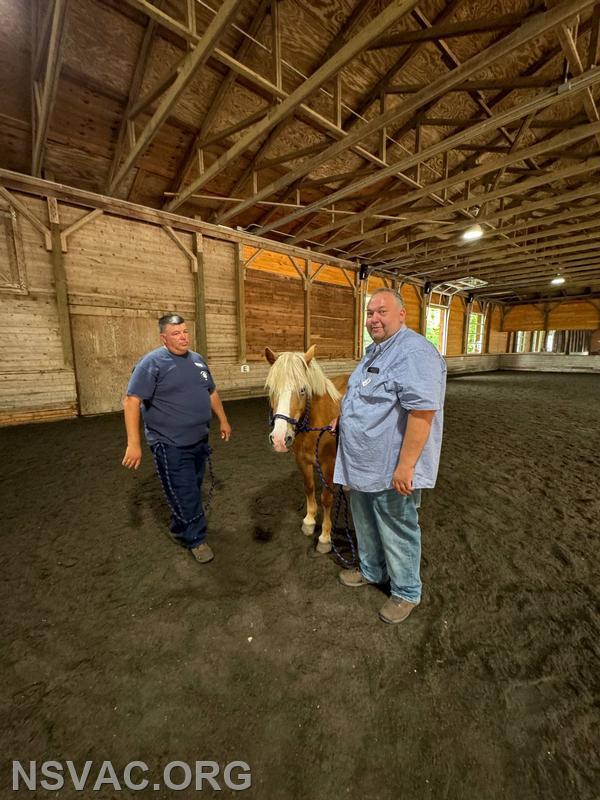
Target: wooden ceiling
{"points": [[370, 130]]}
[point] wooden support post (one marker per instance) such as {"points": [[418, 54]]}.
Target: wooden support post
{"points": [[489, 313], [200, 296], [60, 287], [276, 45], [465, 335], [424, 301], [307, 298], [359, 301], [241, 300]]}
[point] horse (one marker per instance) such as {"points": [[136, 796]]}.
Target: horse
{"points": [[303, 398]]}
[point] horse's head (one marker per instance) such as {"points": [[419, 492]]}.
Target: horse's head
{"points": [[289, 388]]}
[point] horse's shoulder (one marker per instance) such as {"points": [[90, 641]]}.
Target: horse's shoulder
{"points": [[340, 382]]}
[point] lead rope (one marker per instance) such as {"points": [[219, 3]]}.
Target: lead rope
{"points": [[302, 426]]}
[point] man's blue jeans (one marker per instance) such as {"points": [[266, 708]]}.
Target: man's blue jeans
{"points": [[389, 539], [181, 470]]}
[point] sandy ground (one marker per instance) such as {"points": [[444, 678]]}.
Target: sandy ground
{"points": [[117, 646]]}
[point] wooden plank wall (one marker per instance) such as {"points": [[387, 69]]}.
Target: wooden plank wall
{"points": [[498, 341], [566, 315], [274, 312], [454, 345], [332, 320], [35, 381]]}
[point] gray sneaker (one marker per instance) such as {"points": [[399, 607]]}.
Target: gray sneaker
{"points": [[202, 553], [353, 577], [396, 610]]}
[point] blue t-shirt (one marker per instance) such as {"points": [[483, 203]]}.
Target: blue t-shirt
{"points": [[176, 393]]}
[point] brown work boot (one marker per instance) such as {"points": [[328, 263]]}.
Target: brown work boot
{"points": [[202, 553], [396, 610], [353, 577]]}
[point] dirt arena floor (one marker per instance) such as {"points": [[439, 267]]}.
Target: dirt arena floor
{"points": [[117, 646]]}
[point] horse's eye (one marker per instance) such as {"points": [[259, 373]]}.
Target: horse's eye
{"points": [[302, 391]]}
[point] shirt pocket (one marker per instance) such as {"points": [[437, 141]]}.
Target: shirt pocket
{"points": [[376, 390]]}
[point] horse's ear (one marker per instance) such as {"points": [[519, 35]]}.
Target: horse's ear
{"points": [[310, 354], [270, 355]]}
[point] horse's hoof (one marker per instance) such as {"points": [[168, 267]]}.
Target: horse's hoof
{"points": [[323, 547], [308, 530]]}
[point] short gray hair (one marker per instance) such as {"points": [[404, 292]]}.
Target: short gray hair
{"points": [[169, 319], [396, 295]]}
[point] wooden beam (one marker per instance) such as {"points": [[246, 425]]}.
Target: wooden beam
{"points": [[387, 17], [444, 145], [50, 84], [412, 217], [134, 90], [529, 30], [181, 246], [276, 44], [307, 303], [60, 286], [17, 204], [218, 98], [77, 225], [448, 30], [200, 295], [241, 301], [122, 208], [192, 62], [513, 84]]}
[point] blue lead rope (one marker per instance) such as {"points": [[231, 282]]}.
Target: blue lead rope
{"points": [[302, 426]]}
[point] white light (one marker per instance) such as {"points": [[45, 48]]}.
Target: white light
{"points": [[472, 233], [557, 281]]}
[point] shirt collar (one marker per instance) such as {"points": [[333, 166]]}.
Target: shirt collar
{"points": [[375, 349]]}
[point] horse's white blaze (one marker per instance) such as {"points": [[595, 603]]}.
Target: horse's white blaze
{"points": [[280, 428]]}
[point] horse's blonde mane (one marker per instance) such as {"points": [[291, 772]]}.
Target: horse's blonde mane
{"points": [[289, 372]]}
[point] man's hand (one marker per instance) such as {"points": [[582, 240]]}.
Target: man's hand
{"points": [[225, 430], [133, 456], [333, 424], [402, 479]]}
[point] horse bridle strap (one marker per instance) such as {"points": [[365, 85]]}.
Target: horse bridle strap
{"points": [[299, 425]]}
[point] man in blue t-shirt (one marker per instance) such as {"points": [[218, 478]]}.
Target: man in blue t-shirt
{"points": [[173, 389]]}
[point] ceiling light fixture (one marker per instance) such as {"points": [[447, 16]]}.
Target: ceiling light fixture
{"points": [[472, 233], [557, 281]]}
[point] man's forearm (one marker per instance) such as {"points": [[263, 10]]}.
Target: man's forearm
{"points": [[132, 420], [417, 431], [217, 407]]}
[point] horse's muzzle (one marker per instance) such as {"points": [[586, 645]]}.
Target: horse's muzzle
{"points": [[281, 446]]}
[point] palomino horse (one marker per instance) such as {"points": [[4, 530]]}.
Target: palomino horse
{"points": [[302, 397]]}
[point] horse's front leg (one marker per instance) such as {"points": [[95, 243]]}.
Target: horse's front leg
{"points": [[324, 543], [310, 520]]}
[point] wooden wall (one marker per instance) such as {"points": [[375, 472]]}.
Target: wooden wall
{"points": [[498, 339], [564, 315], [123, 273], [454, 342], [274, 313]]}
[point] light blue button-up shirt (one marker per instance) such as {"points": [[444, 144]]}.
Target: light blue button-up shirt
{"points": [[405, 373]]}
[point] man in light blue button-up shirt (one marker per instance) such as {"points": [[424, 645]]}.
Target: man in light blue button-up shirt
{"points": [[390, 439]]}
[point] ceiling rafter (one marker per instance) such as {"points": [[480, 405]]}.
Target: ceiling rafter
{"points": [[219, 98], [542, 101], [191, 64], [534, 27], [44, 90], [343, 56]]}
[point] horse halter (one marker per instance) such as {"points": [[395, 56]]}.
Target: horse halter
{"points": [[300, 426]]}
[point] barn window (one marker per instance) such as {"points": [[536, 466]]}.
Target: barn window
{"points": [[475, 333], [437, 326]]}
